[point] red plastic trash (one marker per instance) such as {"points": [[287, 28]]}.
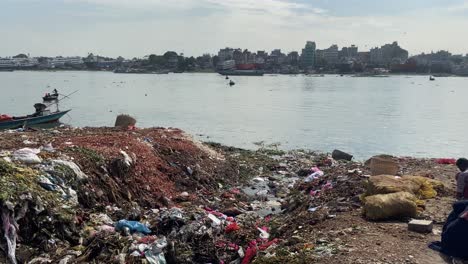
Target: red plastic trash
{"points": [[446, 161]]}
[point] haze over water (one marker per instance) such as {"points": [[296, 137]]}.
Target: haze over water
{"points": [[400, 115]]}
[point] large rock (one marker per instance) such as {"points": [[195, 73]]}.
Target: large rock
{"points": [[340, 155]]}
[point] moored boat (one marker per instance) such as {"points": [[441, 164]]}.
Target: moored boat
{"points": [[41, 116]]}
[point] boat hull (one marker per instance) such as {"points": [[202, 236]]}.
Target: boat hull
{"points": [[30, 121]]}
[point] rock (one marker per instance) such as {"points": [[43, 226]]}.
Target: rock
{"points": [[340, 155], [420, 226], [124, 121]]}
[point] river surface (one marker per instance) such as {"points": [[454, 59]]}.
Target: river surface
{"points": [[400, 115]]}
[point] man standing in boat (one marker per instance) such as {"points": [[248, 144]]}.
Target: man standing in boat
{"points": [[55, 92]]}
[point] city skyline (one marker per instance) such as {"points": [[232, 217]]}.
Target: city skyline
{"points": [[141, 27]]}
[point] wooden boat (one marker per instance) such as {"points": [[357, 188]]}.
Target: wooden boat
{"points": [[431, 78], [41, 116]]}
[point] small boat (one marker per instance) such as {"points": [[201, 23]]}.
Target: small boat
{"points": [[50, 97], [231, 83], [431, 78], [41, 116], [227, 77]]}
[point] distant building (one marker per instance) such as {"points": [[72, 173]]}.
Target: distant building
{"points": [[308, 55], [277, 57], [330, 55], [262, 54], [388, 54], [238, 56], [319, 60], [225, 54], [461, 69], [293, 58], [349, 52], [18, 62], [62, 61], [364, 56], [7, 63]]}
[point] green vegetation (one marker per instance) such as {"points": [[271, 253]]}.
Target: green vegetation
{"points": [[17, 181], [89, 154]]}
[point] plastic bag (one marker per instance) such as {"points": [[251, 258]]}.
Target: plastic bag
{"points": [[27, 155], [133, 226]]}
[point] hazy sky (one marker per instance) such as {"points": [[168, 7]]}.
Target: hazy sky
{"points": [[138, 27]]}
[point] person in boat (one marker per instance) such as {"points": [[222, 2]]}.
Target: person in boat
{"points": [[462, 179], [55, 92]]}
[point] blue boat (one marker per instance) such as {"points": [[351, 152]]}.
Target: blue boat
{"points": [[41, 116]]}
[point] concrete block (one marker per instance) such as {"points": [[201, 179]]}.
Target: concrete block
{"points": [[420, 226]]}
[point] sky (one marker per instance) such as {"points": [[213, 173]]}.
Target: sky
{"points": [[135, 28]]}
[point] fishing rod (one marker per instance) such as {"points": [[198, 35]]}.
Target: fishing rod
{"points": [[68, 96]]}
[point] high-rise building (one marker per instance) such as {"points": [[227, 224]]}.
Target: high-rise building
{"points": [[293, 58], [225, 54], [349, 52], [330, 55], [308, 55], [388, 53]]}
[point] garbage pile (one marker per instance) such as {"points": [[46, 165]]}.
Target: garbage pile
{"points": [[112, 195]]}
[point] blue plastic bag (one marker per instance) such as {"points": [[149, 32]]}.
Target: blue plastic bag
{"points": [[134, 226]]}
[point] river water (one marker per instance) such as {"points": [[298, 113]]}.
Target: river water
{"points": [[400, 115]]}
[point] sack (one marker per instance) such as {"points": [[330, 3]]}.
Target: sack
{"points": [[390, 206], [384, 184], [124, 121], [27, 156], [423, 188], [383, 165]]}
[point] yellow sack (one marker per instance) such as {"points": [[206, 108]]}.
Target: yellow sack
{"points": [[384, 184], [423, 188], [390, 206]]}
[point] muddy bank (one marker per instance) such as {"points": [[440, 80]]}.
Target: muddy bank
{"points": [[157, 196]]}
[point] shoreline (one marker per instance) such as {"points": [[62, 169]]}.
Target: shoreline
{"points": [[357, 74]]}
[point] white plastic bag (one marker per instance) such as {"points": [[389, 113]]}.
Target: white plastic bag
{"points": [[27, 155]]}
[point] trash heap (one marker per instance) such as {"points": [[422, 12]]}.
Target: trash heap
{"points": [[62, 190], [113, 195]]}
